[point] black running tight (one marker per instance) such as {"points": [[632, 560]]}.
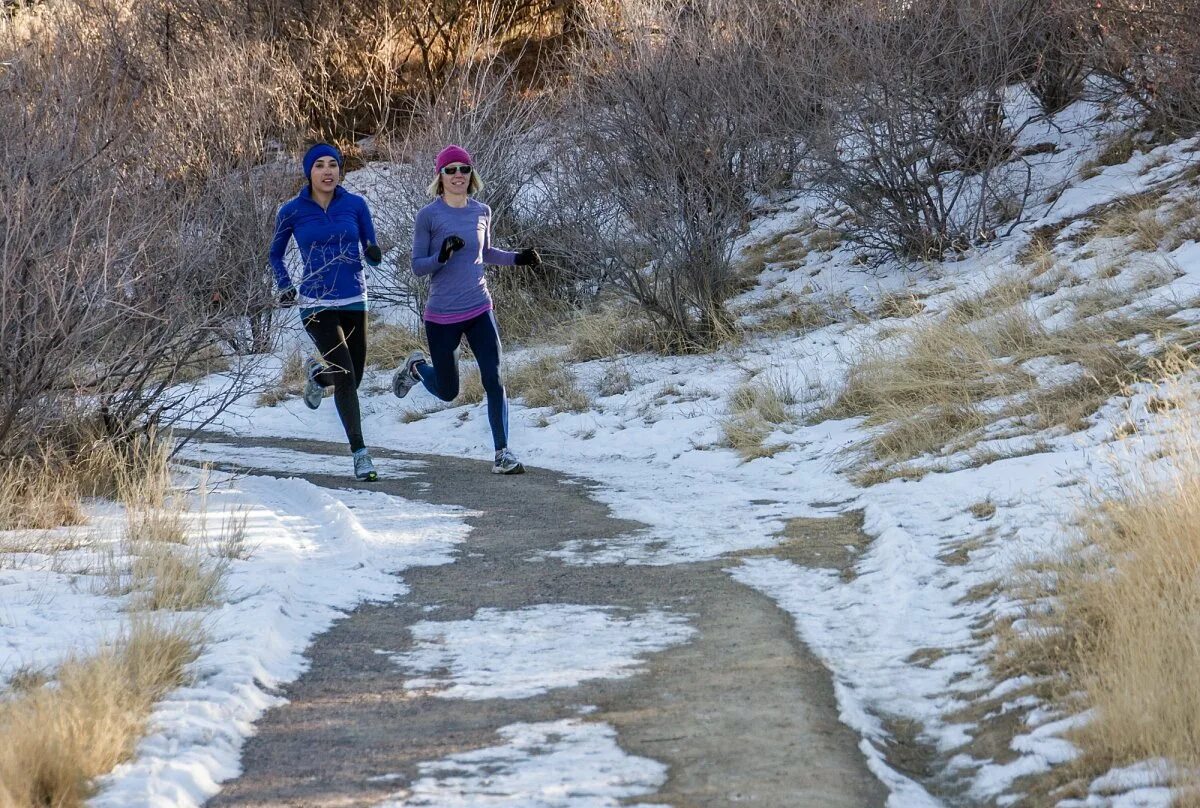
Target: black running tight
{"points": [[341, 338]]}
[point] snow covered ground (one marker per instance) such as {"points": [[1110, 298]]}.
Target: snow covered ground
{"points": [[657, 452]]}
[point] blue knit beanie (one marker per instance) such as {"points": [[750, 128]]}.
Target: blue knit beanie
{"points": [[317, 152]]}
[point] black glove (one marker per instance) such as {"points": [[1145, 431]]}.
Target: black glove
{"points": [[373, 254], [287, 298], [528, 257], [450, 244]]}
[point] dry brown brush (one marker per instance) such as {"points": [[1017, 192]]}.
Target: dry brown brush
{"points": [[126, 260], [1111, 623]]}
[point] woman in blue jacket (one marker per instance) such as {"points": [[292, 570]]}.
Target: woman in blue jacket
{"points": [[329, 225]]}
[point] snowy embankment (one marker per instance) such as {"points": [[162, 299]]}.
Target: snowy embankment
{"points": [[310, 555]]}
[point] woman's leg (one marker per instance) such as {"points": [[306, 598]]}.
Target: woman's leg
{"points": [[324, 327], [354, 328], [440, 373], [483, 335]]}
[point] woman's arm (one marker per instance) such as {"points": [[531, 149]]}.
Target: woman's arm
{"points": [[366, 227], [424, 254], [283, 232], [491, 255]]}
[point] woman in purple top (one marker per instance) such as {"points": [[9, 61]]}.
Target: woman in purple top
{"points": [[452, 243]]}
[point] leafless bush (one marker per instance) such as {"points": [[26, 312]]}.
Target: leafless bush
{"points": [[671, 129], [120, 265], [1058, 64], [920, 144], [1150, 51]]}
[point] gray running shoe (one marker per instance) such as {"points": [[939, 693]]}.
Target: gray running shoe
{"points": [[313, 392], [364, 469], [406, 377], [507, 463]]}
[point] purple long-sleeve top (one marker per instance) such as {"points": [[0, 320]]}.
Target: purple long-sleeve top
{"points": [[458, 288]]}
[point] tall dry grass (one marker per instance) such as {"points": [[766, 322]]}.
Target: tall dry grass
{"points": [[926, 390], [60, 732], [756, 409], [46, 489], [546, 381], [943, 382], [292, 377], [36, 496], [1115, 626], [57, 740], [614, 330]]}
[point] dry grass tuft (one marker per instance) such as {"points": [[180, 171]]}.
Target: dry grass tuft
{"points": [[1135, 218], [389, 345], [615, 381], [176, 579], [58, 740], [790, 313], [611, 331], [1114, 626], [900, 305], [547, 381], [45, 491], [470, 385], [789, 247], [825, 239], [1106, 368], [757, 409], [290, 384], [1001, 295], [925, 390], [984, 509], [1118, 150], [34, 496], [169, 565]]}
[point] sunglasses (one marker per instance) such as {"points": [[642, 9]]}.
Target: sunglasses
{"points": [[449, 170]]}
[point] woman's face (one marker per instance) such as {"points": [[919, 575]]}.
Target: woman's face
{"points": [[325, 174], [456, 182]]}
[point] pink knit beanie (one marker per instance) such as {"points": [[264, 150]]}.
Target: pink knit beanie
{"points": [[452, 154]]}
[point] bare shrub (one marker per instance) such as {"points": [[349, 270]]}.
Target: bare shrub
{"points": [[1058, 55], [477, 106], [1150, 52], [670, 130], [114, 246], [919, 143]]}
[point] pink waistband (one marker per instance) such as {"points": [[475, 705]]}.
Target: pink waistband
{"points": [[449, 319]]}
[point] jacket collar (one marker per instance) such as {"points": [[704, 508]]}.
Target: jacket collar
{"points": [[306, 193]]}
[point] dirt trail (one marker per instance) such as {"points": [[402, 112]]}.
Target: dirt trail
{"points": [[741, 714]]}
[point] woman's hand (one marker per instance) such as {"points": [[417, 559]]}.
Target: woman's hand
{"points": [[373, 255], [528, 257], [287, 298], [449, 246]]}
